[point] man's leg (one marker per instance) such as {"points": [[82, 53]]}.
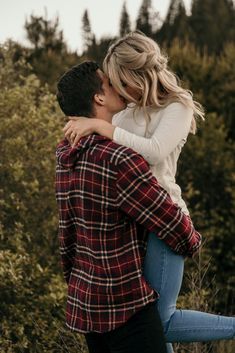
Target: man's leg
{"points": [[142, 333], [96, 343]]}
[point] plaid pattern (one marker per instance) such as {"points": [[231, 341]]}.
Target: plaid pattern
{"points": [[108, 201]]}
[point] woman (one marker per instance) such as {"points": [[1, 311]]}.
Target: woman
{"points": [[156, 125]]}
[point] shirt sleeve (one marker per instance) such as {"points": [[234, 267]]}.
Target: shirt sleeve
{"points": [[173, 127], [144, 200], [67, 242]]}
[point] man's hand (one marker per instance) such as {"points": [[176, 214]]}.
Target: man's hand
{"points": [[78, 127]]}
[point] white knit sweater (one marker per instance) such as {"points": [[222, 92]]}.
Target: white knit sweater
{"points": [[161, 144]]}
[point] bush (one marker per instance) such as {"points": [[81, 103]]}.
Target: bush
{"points": [[32, 290]]}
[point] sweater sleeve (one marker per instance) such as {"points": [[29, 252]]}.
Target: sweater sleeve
{"points": [[173, 127]]}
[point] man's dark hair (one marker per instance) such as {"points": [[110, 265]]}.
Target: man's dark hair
{"points": [[77, 87]]}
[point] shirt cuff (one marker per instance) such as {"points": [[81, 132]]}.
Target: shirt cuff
{"points": [[117, 135]]}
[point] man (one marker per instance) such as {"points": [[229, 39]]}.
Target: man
{"points": [[108, 201]]}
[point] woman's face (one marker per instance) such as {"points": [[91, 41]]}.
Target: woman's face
{"points": [[114, 101]]}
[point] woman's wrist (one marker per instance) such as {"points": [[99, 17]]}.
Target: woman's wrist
{"points": [[104, 128]]}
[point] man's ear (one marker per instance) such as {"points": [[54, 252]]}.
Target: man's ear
{"points": [[99, 99]]}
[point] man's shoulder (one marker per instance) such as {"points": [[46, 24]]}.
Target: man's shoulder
{"points": [[98, 149], [115, 153]]}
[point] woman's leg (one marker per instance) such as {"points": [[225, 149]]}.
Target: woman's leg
{"points": [[196, 326], [164, 271]]}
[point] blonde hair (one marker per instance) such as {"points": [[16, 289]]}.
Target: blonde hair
{"points": [[136, 60]]}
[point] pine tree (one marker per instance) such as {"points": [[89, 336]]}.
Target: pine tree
{"points": [[87, 35], [143, 22], [231, 27], [125, 25], [175, 24], [49, 55], [44, 34], [176, 8], [34, 28], [212, 23]]}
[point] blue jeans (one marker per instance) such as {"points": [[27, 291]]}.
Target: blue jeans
{"points": [[163, 269]]}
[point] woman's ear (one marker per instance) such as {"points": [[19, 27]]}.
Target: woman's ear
{"points": [[99, 99]]}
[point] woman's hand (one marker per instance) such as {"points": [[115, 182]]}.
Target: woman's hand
{"points": [[78, 127]]}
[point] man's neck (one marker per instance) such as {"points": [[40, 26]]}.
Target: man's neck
{"points": [[104, 115]]}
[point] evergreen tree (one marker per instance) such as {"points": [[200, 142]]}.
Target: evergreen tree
{"points": [[88, 36], [32, 290], [176, 8], [98, 50], [125, 25], [212, 23], [175, 24], [222, 90], [49, 56], [231, 27], [44, 34], [143, 22], [34, 28]]}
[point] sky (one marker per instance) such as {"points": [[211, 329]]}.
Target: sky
{"points": [[104, 16]]}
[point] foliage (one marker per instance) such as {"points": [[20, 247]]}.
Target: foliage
{"points": [[88, 36], [98, 50], [175, 24], [44, 34], [222, 89], [206, 175], [148, 19], [32, 291], [125, 25], [49, 56], [211, 78], [204, 23]]}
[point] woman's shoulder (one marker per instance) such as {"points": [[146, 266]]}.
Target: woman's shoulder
{"points": [[172, 110], [177, 110], [128, 112], [177, 106]]}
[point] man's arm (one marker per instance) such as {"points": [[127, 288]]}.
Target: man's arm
{"points": [[67, 231], [67, 251], [143, 199]]}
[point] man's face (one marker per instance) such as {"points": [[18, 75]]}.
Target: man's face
{"points": [[113, 101]]}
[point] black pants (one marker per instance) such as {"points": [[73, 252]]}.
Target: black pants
{"points": [[142, 333]]}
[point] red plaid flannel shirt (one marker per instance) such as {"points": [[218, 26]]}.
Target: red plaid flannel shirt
{"points": [[108, 201]]}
